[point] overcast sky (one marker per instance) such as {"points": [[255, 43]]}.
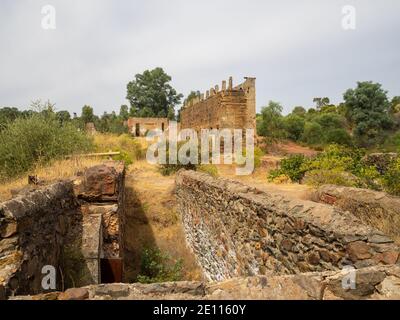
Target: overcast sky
{"points": [[296, 49]]}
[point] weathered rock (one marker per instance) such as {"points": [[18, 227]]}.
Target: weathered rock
{"points": [[8, 229], [74, 294], [358, 251], [100, 183]]}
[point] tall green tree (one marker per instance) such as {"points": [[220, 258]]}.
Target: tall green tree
{"points": [[63, 116], [87, 114], [368, 109], [270, 123], [151, 94], [321, 102], [124, 112]]}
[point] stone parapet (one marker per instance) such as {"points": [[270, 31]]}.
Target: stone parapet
{"points": [[236, 230]]}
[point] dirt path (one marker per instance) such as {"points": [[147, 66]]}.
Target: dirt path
{"points": [[152, 220], [259, 180]]}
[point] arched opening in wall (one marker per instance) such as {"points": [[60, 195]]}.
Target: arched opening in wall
{"points": [[163, 127], [137, 130]]}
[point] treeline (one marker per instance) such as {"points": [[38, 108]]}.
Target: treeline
{"points": [[107, 123], [366, 118]]}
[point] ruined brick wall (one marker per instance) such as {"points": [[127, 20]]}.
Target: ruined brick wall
{"points": [[236, 230], [32, 234], [230, 107], [69, 225], [140, 126]]}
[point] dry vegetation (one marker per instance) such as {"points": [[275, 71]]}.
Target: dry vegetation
{"points": [[153, 220], [57, 170]]}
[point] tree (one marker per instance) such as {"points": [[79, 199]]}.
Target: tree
{"points": [[368, 109], [395, 104], [171, 114], [299, 111], [8, 114], [151, 94], [294, 126], [321, 102], [63, 116], [191, 95], [313, 133], [87, 114], [339, 136], [124, 112], [271, 121], [330, 121]]}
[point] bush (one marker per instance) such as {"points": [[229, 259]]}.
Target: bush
{"points": [[258, 154], [338, 136], [294, 125], [336, 176], [391, 179], [157, 266], [313, 133], [36, 140], [128, 146], [210, 169], [292, 167]]}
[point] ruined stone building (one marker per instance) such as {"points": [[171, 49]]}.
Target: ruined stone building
{"points": [[231, 107], [138, 127]]}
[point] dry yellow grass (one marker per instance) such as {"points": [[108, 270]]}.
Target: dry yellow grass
{"points": [[153, 220], [57, 170]]}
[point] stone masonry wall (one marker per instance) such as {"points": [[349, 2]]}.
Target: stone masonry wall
{"points": [[32, 233], [231, 107], [69, 225], [236, 230]]}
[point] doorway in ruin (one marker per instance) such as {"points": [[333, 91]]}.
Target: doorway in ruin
{"points": [[111, 270], [137, 130]]}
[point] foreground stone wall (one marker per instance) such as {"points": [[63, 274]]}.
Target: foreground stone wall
{"points": [[376, 209], [381, 282], [69, 225], [236, 230], [32, 234]]}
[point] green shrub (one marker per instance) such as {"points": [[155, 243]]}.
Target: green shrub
{"points": [[127, 145], [258, 154], [337, 157], [37, 139], [208, 168], [313, 133], [293, 167], [338, 136], [334, 176], [391, 179], [157, 266], [294, 125]]}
